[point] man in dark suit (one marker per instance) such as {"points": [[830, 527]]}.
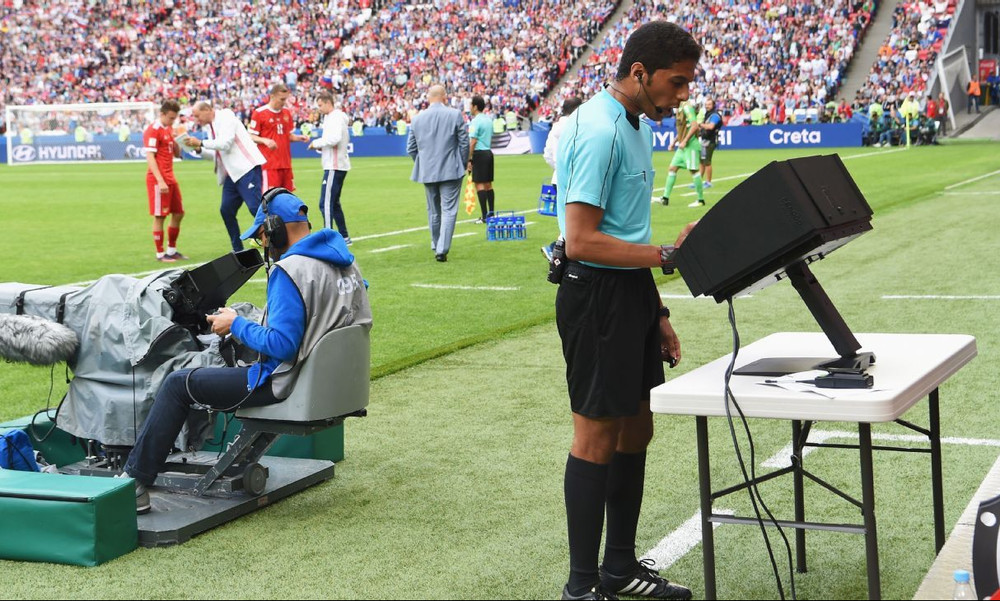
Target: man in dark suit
{"points": [[439, 145]]}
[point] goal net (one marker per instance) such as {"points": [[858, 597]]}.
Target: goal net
{"points": [[77, 133]]}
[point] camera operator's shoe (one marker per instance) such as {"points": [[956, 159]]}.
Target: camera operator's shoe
{"points": [[595, 593], [177, 256], [142, 502], [166, 259], [644, 582]]}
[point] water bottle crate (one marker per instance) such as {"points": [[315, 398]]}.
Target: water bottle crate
{"points": [[547, 200], [505, 225]]}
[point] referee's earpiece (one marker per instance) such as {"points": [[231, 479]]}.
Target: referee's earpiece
{"points": [[274, 225]]}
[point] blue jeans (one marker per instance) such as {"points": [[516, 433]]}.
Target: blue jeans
{"points": [[246, 190], [222, 388], [329, 200], [442, 210]]}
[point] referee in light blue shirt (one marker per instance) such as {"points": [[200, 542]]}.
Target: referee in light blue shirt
{"points": [[481, 157], [615, 331]]}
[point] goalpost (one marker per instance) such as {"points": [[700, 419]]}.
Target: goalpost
{"points": [[953, 74], [77, 133]]}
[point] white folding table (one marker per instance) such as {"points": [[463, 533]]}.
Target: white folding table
{"points": [[908, 367]]}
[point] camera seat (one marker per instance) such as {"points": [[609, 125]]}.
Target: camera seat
{"points": [[332, 386]]}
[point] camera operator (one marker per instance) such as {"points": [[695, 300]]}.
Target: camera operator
{"points": [[615, 332], [314, 288]]}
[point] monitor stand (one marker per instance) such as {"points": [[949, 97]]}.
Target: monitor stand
{"points": [[833, 325], [782, 366]]}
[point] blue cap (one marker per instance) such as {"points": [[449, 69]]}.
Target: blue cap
{"points": [[961, 576], [285, 205]]}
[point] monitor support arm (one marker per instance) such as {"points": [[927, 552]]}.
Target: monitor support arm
{"points": [[830, 321]]}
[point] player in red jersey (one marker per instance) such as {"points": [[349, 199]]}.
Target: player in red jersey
{"points": [[271, 128], [164, 193]]}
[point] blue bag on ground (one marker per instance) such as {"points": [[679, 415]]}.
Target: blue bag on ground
{"points": [[16, 452]]}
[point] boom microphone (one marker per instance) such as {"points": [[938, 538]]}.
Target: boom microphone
{"points": [[35, 340], [659, 111]]}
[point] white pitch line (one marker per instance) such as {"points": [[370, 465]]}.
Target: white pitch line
{"points": [[388, 248], [853, 156], [140, 273], [940, 297], [457, 287], [424, 228], [994, 193], [467, 234], [974, 179], [678, 543], [783, 458]]}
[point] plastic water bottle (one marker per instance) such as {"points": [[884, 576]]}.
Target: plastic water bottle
{"points": [[963, 590]]}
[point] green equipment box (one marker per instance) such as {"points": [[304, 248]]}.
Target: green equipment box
{"points": [[76, 520]]}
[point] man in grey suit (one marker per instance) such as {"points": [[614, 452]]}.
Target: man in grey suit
{"points": [[439, 145]]}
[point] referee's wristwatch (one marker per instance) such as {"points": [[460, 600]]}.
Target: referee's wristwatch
{"points": [[663, 311]]}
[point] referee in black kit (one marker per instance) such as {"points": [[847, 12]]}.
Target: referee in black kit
{"points": [[615, 331]]}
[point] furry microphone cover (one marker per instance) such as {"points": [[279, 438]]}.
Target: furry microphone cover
{"points": [[34, 340]]}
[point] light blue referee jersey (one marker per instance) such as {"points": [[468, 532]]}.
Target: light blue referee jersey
{"points": [[481, 128], [606, 162]]}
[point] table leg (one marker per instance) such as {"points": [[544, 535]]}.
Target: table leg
{"points": [[800, 506], [936, 484], [705, 490], [868, 510]]}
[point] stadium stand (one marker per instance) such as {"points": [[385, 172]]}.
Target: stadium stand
{"points": [[381, 55], [748, 58], [906, 57], [229, 51], [511, 53]]}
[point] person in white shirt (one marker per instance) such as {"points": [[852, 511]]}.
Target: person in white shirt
{"points": [[237, 164], [552, 142], [336, 162]]}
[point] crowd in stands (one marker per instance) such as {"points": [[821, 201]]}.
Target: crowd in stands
{"points": [[55, 51], [228, 51], [510, 52], [379, 55], [906, 57], [787, 55], [764, 61]]}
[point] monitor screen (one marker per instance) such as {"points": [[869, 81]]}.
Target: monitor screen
{"points": [[796, 210], [771, 227]]}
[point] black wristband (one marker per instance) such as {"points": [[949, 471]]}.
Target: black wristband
{"points": [[663, 311]]}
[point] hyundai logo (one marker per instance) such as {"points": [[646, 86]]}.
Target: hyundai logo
{"points": [[22, 153]]}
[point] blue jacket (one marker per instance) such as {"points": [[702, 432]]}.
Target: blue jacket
{"points": [[286, 313]]}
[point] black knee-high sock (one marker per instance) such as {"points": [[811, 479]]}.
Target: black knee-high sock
{"points": [[626, 478], [489, 198], [482, 194], [585, 488]]}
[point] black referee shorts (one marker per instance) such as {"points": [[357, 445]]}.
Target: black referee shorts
{"points": [[610, 330], [482, 166]]}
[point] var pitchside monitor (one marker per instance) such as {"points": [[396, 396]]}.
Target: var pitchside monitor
{"points": [[771, 227]]}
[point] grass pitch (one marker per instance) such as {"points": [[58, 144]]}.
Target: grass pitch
{"points": [[452, 487]]}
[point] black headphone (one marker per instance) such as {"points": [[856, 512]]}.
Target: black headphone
{"points": [[274, 226]]}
